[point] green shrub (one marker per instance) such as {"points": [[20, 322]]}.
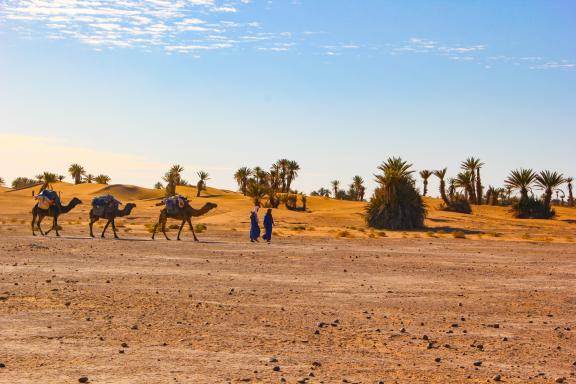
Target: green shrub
{"points": [[532, 208], [459, 205]]}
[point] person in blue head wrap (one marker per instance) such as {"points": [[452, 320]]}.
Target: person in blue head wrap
{"points": [[254, 225]]}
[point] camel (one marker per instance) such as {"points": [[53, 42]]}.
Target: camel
{"points": [[185, 214], [110, 213], [51, 212]]}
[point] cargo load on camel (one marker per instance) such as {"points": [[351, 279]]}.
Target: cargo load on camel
{"points": [[175, 203], [102, 203], [48, 199]]}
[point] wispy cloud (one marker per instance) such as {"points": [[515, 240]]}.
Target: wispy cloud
{"points": [[477, 53], [201, 26], [174, 26]]}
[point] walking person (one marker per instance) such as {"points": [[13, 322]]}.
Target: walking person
{"points": [[254, 225], [268, 224]]}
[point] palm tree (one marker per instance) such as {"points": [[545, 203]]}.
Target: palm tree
{"points": [[358, 187], [20, 182], [335, 186], [257, 173], [61, 178], [241, 176], [283, 168], [465, 180], [451, 188], [396, 204], [203, 176], [569, 181], [256, 191], [158, 185], [89, 178], [274, 178], [173, 178], [549, 181], [441, 174], [47, 178], [292, 172], [425, 174], [473, 166], [2, 182], [102, 179], [492, 195], [522, 180], [76, 171]]}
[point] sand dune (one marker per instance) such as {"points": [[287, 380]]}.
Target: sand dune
{"points": [[325, 217]]}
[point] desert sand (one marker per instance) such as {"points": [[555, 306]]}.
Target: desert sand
{"points": [[472, 299]]}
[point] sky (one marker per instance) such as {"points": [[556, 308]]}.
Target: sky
{"points": [[129, 87]]}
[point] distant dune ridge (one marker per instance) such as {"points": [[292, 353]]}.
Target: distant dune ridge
{"points": [[325, 216]]}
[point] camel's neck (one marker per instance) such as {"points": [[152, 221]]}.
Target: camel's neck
{"points": [[126, 211], [68, 208], [202, 211]]}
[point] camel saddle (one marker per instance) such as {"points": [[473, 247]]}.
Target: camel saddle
{"points": [[47, 199], [175, 203], [101, 203]]}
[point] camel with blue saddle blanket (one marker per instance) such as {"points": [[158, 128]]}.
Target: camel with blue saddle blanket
{"points": [[49, 204], [178, 208], [107, 207]]}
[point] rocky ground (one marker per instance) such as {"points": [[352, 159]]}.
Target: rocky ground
{"points": [[302, 310]]}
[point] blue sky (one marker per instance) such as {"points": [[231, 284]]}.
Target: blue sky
{"points": [[130, 87]]}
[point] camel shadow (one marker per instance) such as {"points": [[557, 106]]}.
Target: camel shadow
{"points": [[570, 221], [453, 230]]}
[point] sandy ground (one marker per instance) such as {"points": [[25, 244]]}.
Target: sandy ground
{"points": [[330, 301], [301, 310]]}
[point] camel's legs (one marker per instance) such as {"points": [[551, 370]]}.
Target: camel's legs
{"points": [[33, 222], [105, 228], [192, 228], [55, 225], [154, 231], [181, 226], [40, 218], [114, 229], [92, 221], [164, 220]]}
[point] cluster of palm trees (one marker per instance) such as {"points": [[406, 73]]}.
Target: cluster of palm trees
{"points": [[524, 180], [464, 189], [396, 203], [356, 190], [79, 174], [46, 178], [173, 178], [259, 183]]}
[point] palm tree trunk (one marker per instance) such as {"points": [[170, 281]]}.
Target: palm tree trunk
{"points": [[478, 188], [548, 199], [443, 192]]}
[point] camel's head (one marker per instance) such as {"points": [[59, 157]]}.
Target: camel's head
{"points": [[131, 205], [75, 201], [211, 206]]}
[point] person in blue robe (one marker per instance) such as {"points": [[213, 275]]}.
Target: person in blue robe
{"points": [[268, 224], [254, 226]]}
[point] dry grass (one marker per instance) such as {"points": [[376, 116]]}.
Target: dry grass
{"points": [[344, 234]]}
